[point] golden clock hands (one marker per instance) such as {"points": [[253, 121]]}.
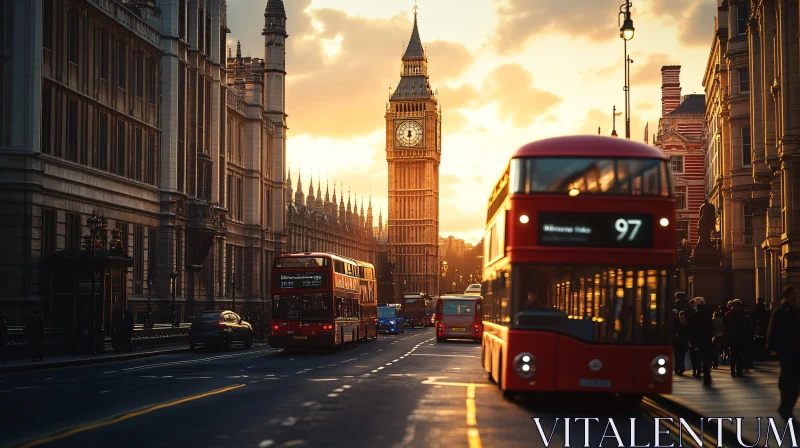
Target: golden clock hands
{"points": [[409, 133]]}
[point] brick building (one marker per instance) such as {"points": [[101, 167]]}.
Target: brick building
{"points": [[680, 137]]}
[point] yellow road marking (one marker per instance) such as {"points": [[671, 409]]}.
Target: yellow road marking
{"points": [[473, 436], [709, 441], [432, 380], [127, 416]]}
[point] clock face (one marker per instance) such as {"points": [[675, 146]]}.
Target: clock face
{"points": [[409, 133]]}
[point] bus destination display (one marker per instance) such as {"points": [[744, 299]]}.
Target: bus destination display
{"points": [[302, 280], [611, 230]]}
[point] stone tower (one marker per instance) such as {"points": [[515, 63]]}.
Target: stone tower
{"points": [[413, 152], [275, 105]]}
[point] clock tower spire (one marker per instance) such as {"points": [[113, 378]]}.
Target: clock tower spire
{"points": [[413, 153]]}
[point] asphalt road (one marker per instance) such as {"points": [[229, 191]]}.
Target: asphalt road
{"points": [[398, 391]]}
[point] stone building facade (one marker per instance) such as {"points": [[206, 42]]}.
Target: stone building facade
{"points": [[680, 137], [738, 197], [135, 112], [774, 70], [317, 224], [413, 153]]}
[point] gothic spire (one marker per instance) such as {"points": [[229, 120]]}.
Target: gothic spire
{"points": [[238, 49], [414, 50], [289, 185], [298, 194]]}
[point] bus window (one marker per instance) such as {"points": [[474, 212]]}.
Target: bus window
{"points": [[286, 306], [315, 306]]}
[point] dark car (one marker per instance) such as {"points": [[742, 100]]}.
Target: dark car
{"points": [[220, 329]]}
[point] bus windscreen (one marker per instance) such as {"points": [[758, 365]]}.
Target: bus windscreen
{"points": [[386, 312], [458, 307]]}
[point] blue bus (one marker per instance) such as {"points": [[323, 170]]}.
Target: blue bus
{"points": [[390, 318]]}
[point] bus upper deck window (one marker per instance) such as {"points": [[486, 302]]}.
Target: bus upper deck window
{"points": [[516, 176]]}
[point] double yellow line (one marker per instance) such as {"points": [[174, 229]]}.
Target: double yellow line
{"points": [[122, 418]]}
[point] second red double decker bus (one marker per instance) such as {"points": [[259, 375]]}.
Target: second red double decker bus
{"points": [[321, 300], [579, 257]]}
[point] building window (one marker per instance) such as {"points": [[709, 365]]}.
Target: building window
{"points": [[208, 35], [48, 231], [138, 259], [151, 160], [748, 224], [73, 37], [72, 129], [201, 35], [182, 19], [119, 159], [137, 160], [240, 198], [151, 81], [104, 56], [746, 156], [101, 161], [744, 80], [680, 197], [682, 230], [676, 162], [47, 104], [73, 231], [741, 18], [229, 198], [47, 24], [122, 64], [139, 74]]}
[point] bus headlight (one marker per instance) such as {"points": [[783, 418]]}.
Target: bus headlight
{"points": [[391, 322], [525, 365], [660, 367], [664, 222], [524, 219]]}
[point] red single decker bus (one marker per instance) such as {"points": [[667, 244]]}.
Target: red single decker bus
{"points": [[414, 309], [321, 300], [579, 259]]}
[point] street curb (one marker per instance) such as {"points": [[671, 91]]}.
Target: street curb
{"points": [[683, 409], [89, 361]]}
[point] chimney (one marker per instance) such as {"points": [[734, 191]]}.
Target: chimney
{"points": [[670, 88]]}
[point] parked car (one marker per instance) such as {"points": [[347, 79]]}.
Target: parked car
{"points": [[220, 329]]}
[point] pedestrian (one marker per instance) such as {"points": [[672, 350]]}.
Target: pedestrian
{"points": [[3, 336], [700, 328], [747, 348], [736, 336], [679, 343], [783, 337], [759, 324], [35, 331], [718, 337], [687, 319]]}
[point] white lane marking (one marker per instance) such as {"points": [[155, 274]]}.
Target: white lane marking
{"points": [[266, 443], [323, 379], [332, 365], [389, 363], [110, 371], [270, 374], [148, 376], [338, 390], [289, 421], [301, 371], [375, 371], [381, 368], [365, 353], [103, 392], [194, 378], [333, 395], [271, 379], [380, 349], [348, 360], [347, 386], [167, 376], [250, 367], [309, 403], [236, 376], [309, 369], [366, 374], [349, 376], [396, 359], [192, 361]]}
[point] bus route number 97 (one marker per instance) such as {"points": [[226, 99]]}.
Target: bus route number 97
{"points": [[627, 228]]}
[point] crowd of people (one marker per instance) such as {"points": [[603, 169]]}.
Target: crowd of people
{"points": [[737, 336]]}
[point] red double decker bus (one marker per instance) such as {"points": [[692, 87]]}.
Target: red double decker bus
{"points": [[579, 259], [318, 300]]}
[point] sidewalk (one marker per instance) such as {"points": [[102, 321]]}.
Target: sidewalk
{"points": [[24, 365], [753, 395]]}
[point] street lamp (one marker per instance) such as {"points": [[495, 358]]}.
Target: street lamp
{"points": [[94, 223], [149, 321], [626, 32], [426, 272], [172, 277], [233, 289], [444, 274]]}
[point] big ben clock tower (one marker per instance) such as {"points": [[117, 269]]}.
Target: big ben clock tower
{"points": [[413, 151]]}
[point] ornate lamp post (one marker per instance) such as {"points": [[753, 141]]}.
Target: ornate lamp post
{"points": [[626, 32], [172, 277], [94, 223], [444, 274]]}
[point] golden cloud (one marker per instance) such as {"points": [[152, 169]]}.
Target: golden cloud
{"points": [[693, 18], [344, 94], [510, 86], [520, 20], [648, 70]]}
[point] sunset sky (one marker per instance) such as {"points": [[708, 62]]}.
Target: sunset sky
{"points": [[508, 72]]}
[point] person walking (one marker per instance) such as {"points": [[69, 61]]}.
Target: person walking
{"points": [[736, 336], [759, 324], [35, 331], [700, 326], [679, 343], [783, 337], [718, 341]]}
